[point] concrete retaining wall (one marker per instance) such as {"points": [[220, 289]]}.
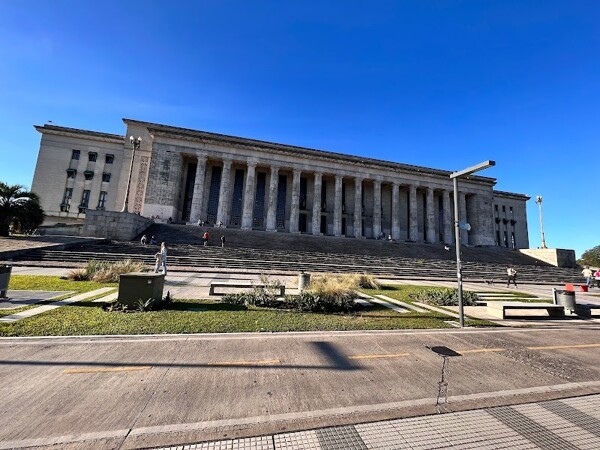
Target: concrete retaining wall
{"points": [[558, 257], [115, 225]]}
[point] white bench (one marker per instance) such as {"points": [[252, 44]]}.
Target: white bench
{"points": [[241, 286], [498, 309]]}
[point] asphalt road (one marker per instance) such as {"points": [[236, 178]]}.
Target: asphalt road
{"points": [[135, 392]]}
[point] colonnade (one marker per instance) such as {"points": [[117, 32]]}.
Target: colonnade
{"points": [[436, 226]]}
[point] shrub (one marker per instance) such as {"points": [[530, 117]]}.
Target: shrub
{"points": [[105, 272], [78, 275], [331, 286], [310, 302], [444, 297], [141, 305]]}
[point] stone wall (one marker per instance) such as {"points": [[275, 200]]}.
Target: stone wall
{"points": [[120, 226], [558, 257]]}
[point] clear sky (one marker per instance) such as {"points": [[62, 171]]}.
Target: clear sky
{"points": [[443, 84]]}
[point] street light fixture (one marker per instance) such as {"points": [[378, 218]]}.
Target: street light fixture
{"points": [[454, 177], [135, 144], [538, 200]]}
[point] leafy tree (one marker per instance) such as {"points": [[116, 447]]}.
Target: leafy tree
{"points": [[19, 208], [591, 257]]}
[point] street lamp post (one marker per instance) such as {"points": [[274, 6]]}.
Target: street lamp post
{"points": [[538, 200], [455, 176], [135, 144]]}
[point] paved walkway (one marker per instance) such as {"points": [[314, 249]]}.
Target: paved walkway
{"points": [[567, 424], [45, 308]]}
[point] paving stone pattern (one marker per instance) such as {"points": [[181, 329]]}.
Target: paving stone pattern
{"points": [[572, 423]]}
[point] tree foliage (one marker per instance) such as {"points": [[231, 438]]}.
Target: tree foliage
{"points": [[19, 208], [591, 257]]}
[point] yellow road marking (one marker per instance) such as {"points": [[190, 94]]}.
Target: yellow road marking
{"points": [[378, 356], [557, 347], [245, 363], [481, 350], [107, 369]]}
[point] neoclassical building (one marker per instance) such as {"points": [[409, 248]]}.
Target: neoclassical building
{"points": [[192, 176]]}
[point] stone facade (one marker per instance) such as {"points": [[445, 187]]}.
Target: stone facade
{"points": [[191, 176], [558, 257], [115, 225]]}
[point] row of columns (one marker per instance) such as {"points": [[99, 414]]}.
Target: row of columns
{"points": [[250, 186]]}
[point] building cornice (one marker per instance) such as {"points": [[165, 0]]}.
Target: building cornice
{"points": [[77, 133], [511, 195], [205, 137]]}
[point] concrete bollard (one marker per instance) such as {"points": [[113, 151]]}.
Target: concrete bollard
{"points": [[303, 281]]}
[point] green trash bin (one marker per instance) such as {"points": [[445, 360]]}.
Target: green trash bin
{"points": [[140, 285], [5, 272]]}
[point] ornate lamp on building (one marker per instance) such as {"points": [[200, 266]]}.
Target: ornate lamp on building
{"points": [[457, 225], [538, 200], [135, 144]]}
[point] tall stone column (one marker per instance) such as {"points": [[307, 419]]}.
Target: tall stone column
{"points": [[337, 207], [448, 223], [462, 212], [431, 228], [316, 209], [377, 208], [295, 206], [224, 193], [413, 222], [395, 211], [249, 190], [358, 207], [272, 205], [198, 188]]}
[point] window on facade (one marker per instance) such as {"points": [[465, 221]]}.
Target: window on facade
{"points": [[66, 202], [85, 200], [88, 174], [71, 173], [106, 177], [512, 213], [75, 154], [496, 208], [503, 208], [102, 200], [110, 159], [93, 156]]}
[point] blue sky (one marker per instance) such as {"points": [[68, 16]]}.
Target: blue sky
{"points": [[442, 84]]}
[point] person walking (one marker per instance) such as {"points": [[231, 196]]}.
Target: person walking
{"points": [[205, 237], [587, 273], [222, 241], [597, 277], [161, 259], [511, 273], [143, 240]]}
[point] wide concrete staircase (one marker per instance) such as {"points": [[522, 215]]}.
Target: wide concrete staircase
{"points": [[257, 251]]}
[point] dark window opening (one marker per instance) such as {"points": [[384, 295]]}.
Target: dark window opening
{"points": [[110, 159], [324, 195], [258, 215], [71, 173], [281, 196], [213, 196], [88, 174], [85, 200], [236, 201], [303, 189], [75, 154], [66, 202], [102, 200], [93, 156], [189, 192], [106, 177]]}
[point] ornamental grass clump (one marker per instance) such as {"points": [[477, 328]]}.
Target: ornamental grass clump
{"points": [[444, 297], [104, 271]]}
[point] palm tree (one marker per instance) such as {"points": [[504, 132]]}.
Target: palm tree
{"points": [[19, 207]]}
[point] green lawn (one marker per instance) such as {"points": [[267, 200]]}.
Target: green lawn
{"points": [[206, 316]]}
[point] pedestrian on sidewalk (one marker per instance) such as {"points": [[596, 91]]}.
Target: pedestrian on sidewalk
{"points": [[597, 277], [222, 241], [587, 273], [205, 237], [511, 273], [161, 259]]}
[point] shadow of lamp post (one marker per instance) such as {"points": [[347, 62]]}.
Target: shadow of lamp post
{"points": [[135, 144], [454, 176]]}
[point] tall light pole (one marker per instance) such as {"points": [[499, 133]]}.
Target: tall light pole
{"points": [[538, 200], [135, 144], [454, 176]]}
